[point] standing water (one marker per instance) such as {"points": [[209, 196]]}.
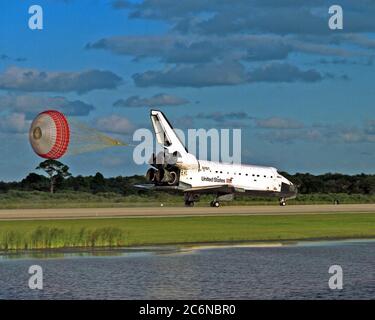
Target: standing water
{"points": [[280, 272]]}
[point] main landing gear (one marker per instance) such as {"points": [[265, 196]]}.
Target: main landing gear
{"points": [[190, 199], [189, 203], [215, 204], [282, 202]]}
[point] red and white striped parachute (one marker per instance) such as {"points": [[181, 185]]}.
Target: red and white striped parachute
{"points": [[50, 134]]}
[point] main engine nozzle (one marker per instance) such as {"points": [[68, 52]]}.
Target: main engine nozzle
{"points": [[162, 176]]}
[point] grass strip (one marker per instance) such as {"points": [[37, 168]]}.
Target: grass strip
{"points": [[122, 232]]}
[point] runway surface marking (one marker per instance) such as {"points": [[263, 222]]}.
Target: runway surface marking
{"points": [[72, 213]]}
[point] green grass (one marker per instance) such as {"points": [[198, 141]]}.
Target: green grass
{"points": [[36, 199], [182, 230]]}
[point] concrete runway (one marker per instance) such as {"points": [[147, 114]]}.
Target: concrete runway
{"points": [[35, 214]]}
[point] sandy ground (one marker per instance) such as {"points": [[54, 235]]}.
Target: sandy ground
{"points": [[33, 214]]}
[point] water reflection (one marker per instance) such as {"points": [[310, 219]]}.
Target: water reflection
{"points": [[165, 250], [244, 272]]}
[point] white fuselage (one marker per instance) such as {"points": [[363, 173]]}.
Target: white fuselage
{"points": [[247, 177]]}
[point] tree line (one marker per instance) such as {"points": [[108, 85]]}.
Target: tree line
{"points": [[93, 184], [58, 178]]}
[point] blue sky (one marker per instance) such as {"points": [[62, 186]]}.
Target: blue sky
{"points": [[302, 94]]}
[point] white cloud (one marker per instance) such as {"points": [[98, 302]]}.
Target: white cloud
{"points": [[31, 105], [278, 123], [210, 74], [115, 124], [32, 80], [158, 100], [14, 123]]}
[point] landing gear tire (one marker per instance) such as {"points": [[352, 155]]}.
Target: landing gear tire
{"points": [[189, 203], [215, 204], [282, 202]]}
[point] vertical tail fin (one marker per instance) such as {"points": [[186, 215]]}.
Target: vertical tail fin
{"points": [[167, 137], [165, 134]]}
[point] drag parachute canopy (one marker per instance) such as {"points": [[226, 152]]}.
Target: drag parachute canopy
{"points": [[50, 134]]}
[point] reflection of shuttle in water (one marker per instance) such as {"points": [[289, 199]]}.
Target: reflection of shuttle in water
{"points": [[181, 170]]}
